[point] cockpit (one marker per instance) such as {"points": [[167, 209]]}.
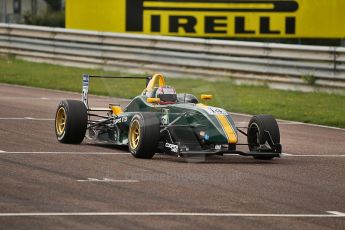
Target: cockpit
{"points": [[160, 93]]}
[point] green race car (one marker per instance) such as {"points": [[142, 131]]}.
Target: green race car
{"points": [[162, 121]]}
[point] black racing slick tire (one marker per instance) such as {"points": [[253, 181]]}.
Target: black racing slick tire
{"points": [[71, 121], [143, 135], [256, 136]]}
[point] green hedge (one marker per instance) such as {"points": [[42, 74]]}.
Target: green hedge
{"points": [[50, 18]]}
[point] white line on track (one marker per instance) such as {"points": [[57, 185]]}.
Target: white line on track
{"points": [[33, 98], [26, 118], [283, 122], [70, 153], [106, 180], [279, 122], [311, 155], [336, 213], [1, 151], [293, 122], [62, 98], [330, 214], [39, 119], [25, 98]]}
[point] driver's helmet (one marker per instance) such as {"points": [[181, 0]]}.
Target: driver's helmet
{"points": [[166, 94]]}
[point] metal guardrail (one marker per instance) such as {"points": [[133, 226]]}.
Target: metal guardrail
{"points": [[293, 66]]}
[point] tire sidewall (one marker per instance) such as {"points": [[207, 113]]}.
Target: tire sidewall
{"points": [[264, 122], [260, 128], [63, 136], [139, 118], [149, 135], [75, 123], [252, 123]]}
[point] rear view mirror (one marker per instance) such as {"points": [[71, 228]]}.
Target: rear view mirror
{"points": [[206, 96], [153, 100]]}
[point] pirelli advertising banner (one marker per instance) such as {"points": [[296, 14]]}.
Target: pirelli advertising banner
{"points": [[211, 18]]}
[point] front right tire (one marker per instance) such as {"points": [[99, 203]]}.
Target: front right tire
{"points": [[256, 136]]}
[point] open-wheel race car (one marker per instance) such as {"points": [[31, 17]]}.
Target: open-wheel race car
{"points": [[162, 121]]}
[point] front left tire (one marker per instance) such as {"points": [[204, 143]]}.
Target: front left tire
{"points": [[143, 135], [71, 121]]}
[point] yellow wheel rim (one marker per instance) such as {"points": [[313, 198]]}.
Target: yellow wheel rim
{"points": [[134, 134], [60, 121]]}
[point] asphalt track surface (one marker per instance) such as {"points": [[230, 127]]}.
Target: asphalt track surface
{"points": [[48, 185]]}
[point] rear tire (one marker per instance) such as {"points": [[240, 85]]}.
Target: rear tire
{"points": [[257, 127], [143, 135], [71, 121]]}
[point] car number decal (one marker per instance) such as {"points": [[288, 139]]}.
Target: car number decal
{"points": [[215, 111]]}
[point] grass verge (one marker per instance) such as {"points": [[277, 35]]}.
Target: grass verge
{"points": [[317, 108]]}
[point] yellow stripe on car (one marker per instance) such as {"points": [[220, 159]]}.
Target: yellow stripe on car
{"points": [[227, 127], [225, 124]]}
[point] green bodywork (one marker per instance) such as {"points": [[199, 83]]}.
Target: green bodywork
{"points": [[196, 117]]}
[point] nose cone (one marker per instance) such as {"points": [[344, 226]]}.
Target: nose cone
{"points": [[222, 121], [228, 129]]}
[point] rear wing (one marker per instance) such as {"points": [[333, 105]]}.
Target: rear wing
{"points": [[86, 84], [85, 93]]}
